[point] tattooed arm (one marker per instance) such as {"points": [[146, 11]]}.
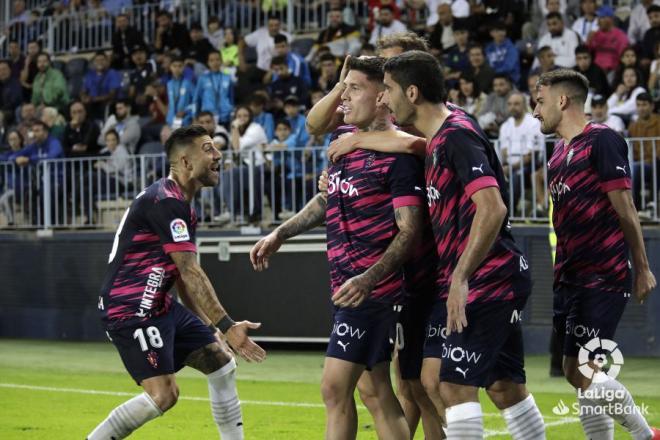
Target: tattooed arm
{"points": [[310, 216], [357, 289], [200, 296], [388, 141]]}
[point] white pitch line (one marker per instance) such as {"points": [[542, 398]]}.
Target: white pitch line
{"points": [[563, 421]]}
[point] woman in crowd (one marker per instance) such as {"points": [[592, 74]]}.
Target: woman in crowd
{"points": [[622, 101]]}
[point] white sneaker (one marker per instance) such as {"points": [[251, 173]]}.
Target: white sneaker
{"points": [[223, 218]]}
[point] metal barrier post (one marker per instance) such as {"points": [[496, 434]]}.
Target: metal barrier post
{"points": [[289, 17], [46, 194], [50, 40]]}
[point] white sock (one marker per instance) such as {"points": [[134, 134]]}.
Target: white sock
{"points": [[596, 424], [126, 418], [465, 422], [524, 420], [225, 406], [619, 404]]}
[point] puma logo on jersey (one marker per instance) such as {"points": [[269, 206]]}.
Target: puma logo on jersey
{"points": [[623, 169], [480, 168], [342, 345], [463, 372]]}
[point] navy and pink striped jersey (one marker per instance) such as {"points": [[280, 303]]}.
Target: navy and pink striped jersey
{"points": [[140, 271], [364, 188], [459, 162], [591, 250]]}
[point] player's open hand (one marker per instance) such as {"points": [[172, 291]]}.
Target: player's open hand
{"points": [[341, 146], [353, 292], [323, 183], [344, 70], [644, 284], [241, 344], [458, 292], [262, 251]]}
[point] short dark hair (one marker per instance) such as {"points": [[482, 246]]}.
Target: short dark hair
{"points": [[388, 8], [336, 9], [405, 40], [43, 54], [279, 60], [575, 82], [196, 26], [582, 49], [125, 101], [112, 131], [503, 76], [543, 50], [372, 67], [183, 137], [100, 53], [498, 25], [6, 62], [646, 97], [552, 15], [283, 122], [652, 8], [213, 19], [327, 57], [258, 99], [280, 38], [164, 12], [476, 46], [420, 69], [37, 42], [204, 113], [39, 122], [273, 16]]}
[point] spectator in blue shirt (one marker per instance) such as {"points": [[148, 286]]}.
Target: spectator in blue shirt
{"points": [[297, 64], [165, 73], [180, 96], [502, 53], [45, 146], [257, 104], [286, 84], [101, 86], [297, 120], [215, 91]]}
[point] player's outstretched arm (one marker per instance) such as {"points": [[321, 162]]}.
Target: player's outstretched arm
{"points": [[199, 292], [622, 203], [409, 221], [310, 216], [387, 141], [486, 224], [324, 117]]}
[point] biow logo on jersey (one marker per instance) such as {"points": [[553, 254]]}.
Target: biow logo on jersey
{"points": [[459, 354], [343, 329], [343, 185]]}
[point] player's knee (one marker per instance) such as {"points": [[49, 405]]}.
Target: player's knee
{"points": [[418, 392], [405, 390], [166, 397], [333, 394], [431, 384], [368, 396]]}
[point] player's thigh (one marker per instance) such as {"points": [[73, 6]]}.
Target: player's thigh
{"points": [[411, 335], [430, 375], [209, 358], [194, 343]]}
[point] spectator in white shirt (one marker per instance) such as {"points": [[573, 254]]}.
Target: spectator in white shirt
{"points": [[562, 41], [520, 142], [387, 24], [623, 101], [588, 22], [599, 115], [459, 9], [118, 166], [262, 40], [639, 21]]}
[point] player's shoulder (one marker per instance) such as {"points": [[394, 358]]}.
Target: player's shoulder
{"points": [[160, 191], [341, 130], [601, 135]]}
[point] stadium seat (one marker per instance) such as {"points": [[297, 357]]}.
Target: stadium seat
{"points": [[302, 46]]}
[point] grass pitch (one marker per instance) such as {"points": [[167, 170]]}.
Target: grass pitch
{"points": [[61, 390]]}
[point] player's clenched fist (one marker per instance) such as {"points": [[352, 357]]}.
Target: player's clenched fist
{"points": [[323, 183], [262, 251]]}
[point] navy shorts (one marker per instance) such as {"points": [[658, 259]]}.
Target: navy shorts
{"points": [[435, 331], [362, 335], [160, 345], [490, 348], [583, 314], [410, 334]]}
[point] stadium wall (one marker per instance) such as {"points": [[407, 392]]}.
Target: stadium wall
{"points": [[50, 287]]}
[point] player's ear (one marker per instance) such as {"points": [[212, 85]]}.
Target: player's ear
{"points": [[412, 93], [564, 102]]}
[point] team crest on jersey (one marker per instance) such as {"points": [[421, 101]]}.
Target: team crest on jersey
{"points": [[152, 358], [179, 230], [569, 157], [370, 160]]}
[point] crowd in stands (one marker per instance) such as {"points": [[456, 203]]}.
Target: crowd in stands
{"points": [[252, 89]]}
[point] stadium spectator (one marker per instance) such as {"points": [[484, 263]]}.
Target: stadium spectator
{"points": [[521, 144], [257, 104], [562, 40], [531, 88], [546, 61], [281, 146], [457, 59], [600, 114], [502, 53], [155, 95], [215, 33], [598, 83], [15, 59], [43, 146], [488, 13], [12, 180], [654, 76], [19, 14], [197, 53], [142, 74], [441, 37], [14, 143], [27, 117], [117, 170], [115, 7], [286, 84], [124, 38], [587, 22], [623, 101], [386, 24], [480, 70], [341, 38], [207, 120], [647, 125], [469, 96], [297, 64], [11, 94], [229, 51], [55, 122], [262, 40], [628, 59], [608, 42], [126, 125], [215, 91], [329, 73], [170, 36], [638, 22], [30, 68], [296, 119], [495, 111], [49, 88], [101, 86], [459, 9], [652, 35], [81, 133], [180, 96]]}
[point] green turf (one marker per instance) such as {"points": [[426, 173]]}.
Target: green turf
{"points": [[269, 392]]}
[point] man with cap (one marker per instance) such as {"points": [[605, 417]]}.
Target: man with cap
{"points": [[142, 75], [608, 42], [599, 115]]}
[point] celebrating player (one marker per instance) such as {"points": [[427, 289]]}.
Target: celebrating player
{"points": [[154, 248], [596, 225], [373, 223]]}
